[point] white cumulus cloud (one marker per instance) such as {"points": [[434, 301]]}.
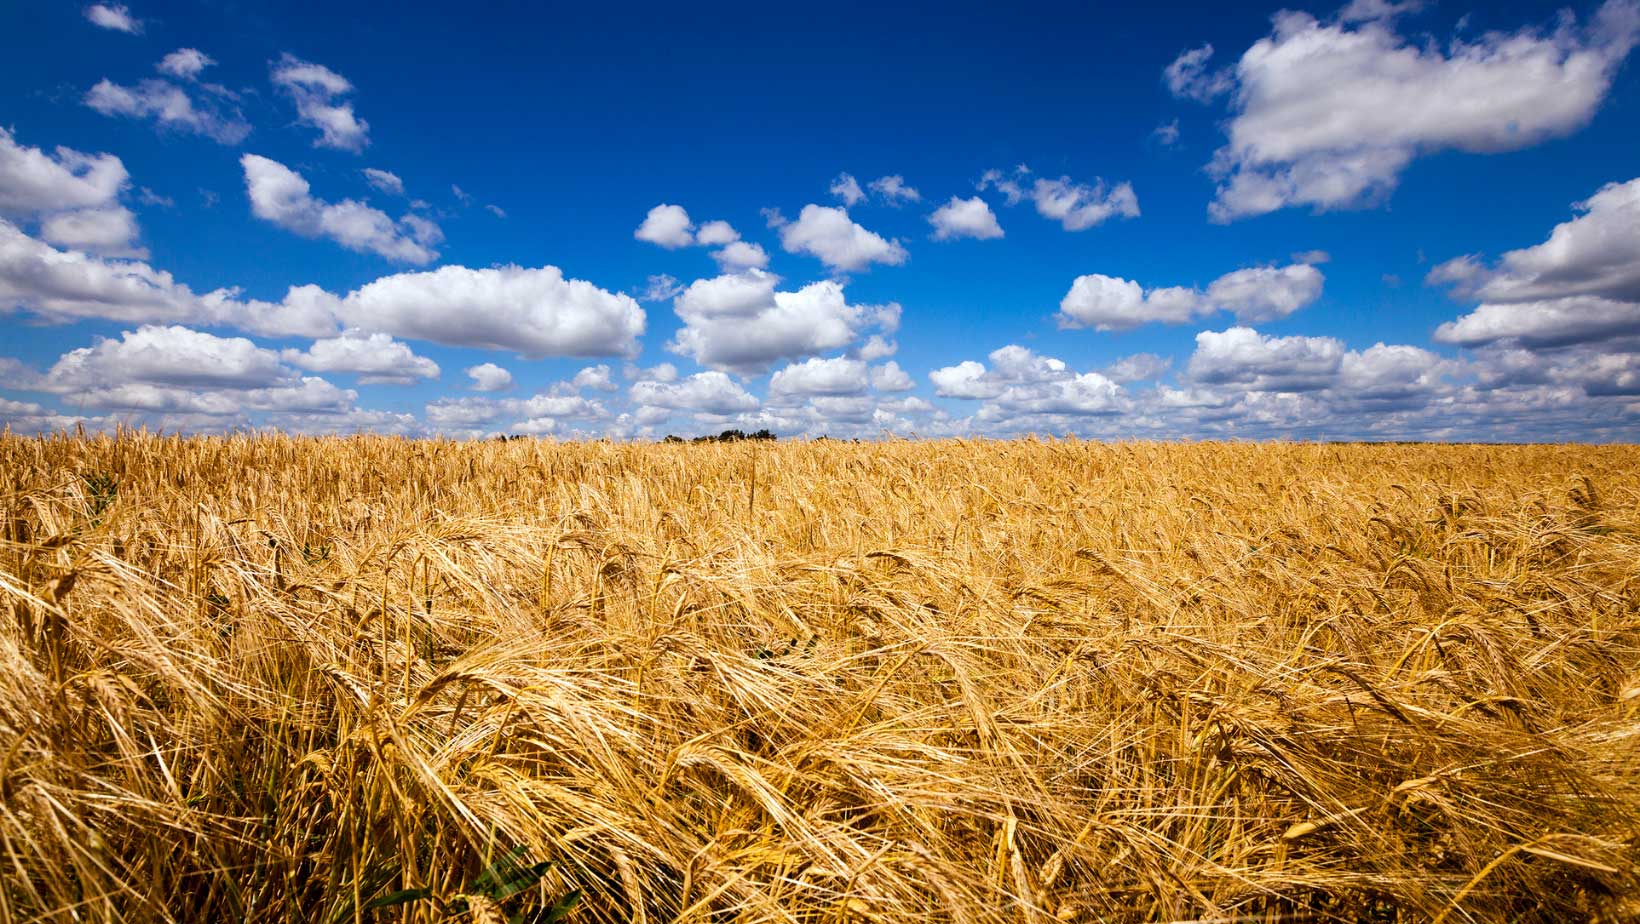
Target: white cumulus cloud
{"points": [[280, 195], [667, 226], [965, 218], [1329, 113], [1253, 295], [489, 377], [114, 16], [841, 244], [317, 92], [374, 357]]}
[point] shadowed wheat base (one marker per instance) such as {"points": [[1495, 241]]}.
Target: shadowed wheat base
{"points": [[276, 679]]}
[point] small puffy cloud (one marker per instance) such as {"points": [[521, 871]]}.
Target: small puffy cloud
{"points": [[660, 288], [532, 312], [713, 233], [280, 195], [741, 255], [495, 210], [1079, 207], [667, 226], [374, 357], [709, 392], [1255, 294], [1110, 303], [894, 190], [171, 108], [597, 377], [1167, 134], [965, 218], [185, 63], [1189, 76], [847, 188], [317, 92], [114, 16], [839, 243], [385, 181], [738, 322], [1076, 206], [489, 377], [815, 376], [1329, 113]]}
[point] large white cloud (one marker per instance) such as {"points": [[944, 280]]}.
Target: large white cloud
{"points": [[1076, 206], [1329, 113], [532, 312], [172, 355], [739, 322], [74, 197], [174, 370], [33, 182], [317, 91], [280, 195], [1581, 284], [841, 244], [1253, 295]]}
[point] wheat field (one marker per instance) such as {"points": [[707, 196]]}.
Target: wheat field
{"points": [[265, 678]]}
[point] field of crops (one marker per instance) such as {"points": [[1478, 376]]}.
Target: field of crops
{"points": [[266, 679]]}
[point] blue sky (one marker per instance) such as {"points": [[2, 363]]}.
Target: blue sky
{"points": [[1382, 220]]}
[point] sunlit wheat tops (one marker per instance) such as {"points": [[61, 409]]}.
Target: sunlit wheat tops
{"points": [[270, 679]]}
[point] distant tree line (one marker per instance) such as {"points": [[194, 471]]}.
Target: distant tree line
{"points": [[727, 436]]}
